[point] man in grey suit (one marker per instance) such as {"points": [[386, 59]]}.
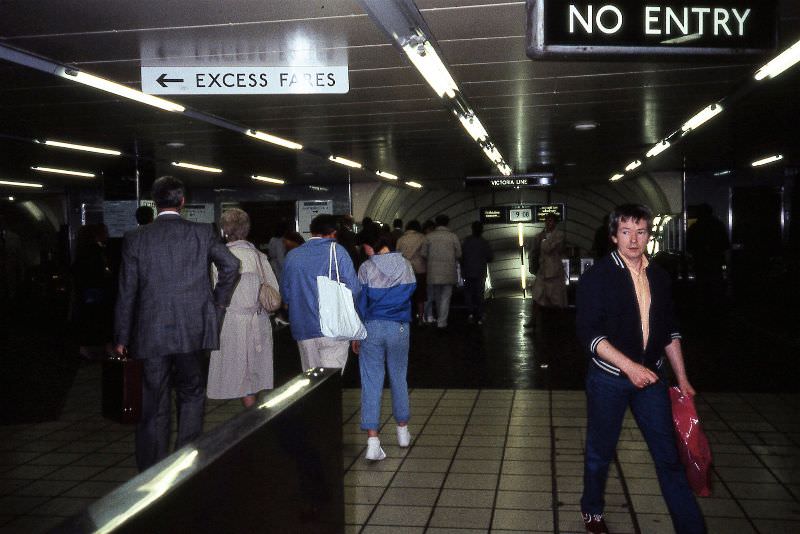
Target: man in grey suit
{"points": [[168, 316]]}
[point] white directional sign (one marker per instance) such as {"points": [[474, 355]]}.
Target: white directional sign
{"points": [[235, 80]]}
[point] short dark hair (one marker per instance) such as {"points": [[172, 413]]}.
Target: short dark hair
{"points": [[144, 215], [477, 228], [168, 192], [626, 212], [414, 225], [378, 240], [442, 220], [323, 224], [397, 223]]}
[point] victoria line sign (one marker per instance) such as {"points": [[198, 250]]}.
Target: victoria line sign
{"points": [[581, 28]]}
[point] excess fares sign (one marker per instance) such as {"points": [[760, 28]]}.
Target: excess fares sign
{"points": [[244, 80], [673, 27]]}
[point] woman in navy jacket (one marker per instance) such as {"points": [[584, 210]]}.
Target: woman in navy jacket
{"points": [[384, 304]]}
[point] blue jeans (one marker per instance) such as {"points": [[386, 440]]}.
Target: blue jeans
{"points": [[386, 346], [608, 397]]}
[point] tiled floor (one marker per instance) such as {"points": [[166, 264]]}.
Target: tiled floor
{"points": [[481, 460]]}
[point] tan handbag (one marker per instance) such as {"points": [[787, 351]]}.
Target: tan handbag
{"points": [[268, 297]]}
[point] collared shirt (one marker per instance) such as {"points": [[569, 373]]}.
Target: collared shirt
{"points": [[642, 287], [167, 212]]}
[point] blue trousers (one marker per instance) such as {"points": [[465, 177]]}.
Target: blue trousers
{"points": [[386, 347], [608, 397]]}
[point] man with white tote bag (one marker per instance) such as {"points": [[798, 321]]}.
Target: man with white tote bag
{"points": [[318, 318]]}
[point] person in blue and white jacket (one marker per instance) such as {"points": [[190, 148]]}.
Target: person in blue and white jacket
{"points": [[384, 304]]}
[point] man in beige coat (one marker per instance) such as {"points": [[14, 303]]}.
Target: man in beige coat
{"points": [[414, 247], [549, 289], [444, 251]]}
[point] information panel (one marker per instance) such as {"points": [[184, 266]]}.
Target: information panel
{"points": [[494, 215], [544, 210], [581, 28]]}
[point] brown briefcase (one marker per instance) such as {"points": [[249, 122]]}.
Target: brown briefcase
{"points": [[122, 389]]}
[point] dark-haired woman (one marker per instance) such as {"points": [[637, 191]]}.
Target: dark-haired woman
{"points": [[384, 303]]}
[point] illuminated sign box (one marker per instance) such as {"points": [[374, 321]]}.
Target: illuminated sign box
{"points": [[514, 181], [494, 215], [576, 29], [542, 211]]}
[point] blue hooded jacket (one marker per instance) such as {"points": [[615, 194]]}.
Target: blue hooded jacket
{"points": [[387, 283]]}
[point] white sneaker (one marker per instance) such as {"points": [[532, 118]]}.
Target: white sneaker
{"points": [[403, 436], [374, 450]]}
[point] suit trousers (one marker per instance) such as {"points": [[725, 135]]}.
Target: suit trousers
{"points": [[186, 373]]}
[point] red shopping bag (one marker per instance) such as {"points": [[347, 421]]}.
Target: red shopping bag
{"points": [[693, 446]]}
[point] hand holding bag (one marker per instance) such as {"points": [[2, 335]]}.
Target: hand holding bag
{"points": [[693, 447], [268, 297], [337, 314]]}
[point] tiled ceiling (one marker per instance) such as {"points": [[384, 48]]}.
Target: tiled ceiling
{"points": [[390, 119]]}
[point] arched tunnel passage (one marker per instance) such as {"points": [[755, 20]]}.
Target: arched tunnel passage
{"points": [[585, 208]]}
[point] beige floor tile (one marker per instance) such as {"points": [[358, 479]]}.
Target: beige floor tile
{"points": [[475, 466], [479, 518], [410, 496], [467, 498], [400, 515], [525, 500], [528, 520]]}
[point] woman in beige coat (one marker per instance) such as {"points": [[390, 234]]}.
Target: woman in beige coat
{"points": [[243, 364], [413, 246]]}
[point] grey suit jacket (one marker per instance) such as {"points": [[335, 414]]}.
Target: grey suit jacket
{"points": [[166, 304]]}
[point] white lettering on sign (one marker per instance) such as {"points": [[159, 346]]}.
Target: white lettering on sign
{"points": [[508, 181], [586, 21], [244, 80], [659, 20]]}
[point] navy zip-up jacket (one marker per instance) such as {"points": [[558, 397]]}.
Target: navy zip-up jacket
{"points": [[608, 309]]}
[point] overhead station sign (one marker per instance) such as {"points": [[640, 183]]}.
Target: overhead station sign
{"points": [[581, 28], [536, 179], [534, 213], [234, 80]]}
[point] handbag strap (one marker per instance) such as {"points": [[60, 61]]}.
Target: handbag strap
{"points": [[332, 258], [261, 275]]}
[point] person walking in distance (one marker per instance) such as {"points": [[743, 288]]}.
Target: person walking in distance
{"points": [[168, 316], [443, 252]]}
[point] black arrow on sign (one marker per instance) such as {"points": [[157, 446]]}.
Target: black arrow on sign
{"points": [[163, 80]]}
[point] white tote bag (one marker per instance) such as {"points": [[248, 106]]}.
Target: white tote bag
{"points": [[337, 314]]}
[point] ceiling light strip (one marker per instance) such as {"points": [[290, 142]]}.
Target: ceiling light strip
{"points": [[633, 165], [702, 117], [83, 148], [196, 167], [64, 171], [346, 162], [274, 139], [415, 185], [424, 57], [767, 161], [120, 90], [616, 177], [387, 175], [276, 181], [658, 148], [12, 183], [783, 61]]}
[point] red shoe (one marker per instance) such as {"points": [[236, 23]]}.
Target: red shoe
{"points": [[594, 523]]}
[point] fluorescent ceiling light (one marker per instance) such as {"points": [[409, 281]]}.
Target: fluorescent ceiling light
{"points": [[658, 148], [387, 175], [722, 173], [633, 164], [11, 199], [766, 161], [415, 185], [267, 179], [706, 114], [583, 126], [63, 171], [473, 127], [196, 167], [428, 63], [493, 154], [780, 63], [275, 140], [504, 169], [616, 177], [122, 90], [21, 184], [346, 162], [84, 148]]}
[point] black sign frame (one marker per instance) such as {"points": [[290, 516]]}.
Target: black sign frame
{"points": [[540, 44]]}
